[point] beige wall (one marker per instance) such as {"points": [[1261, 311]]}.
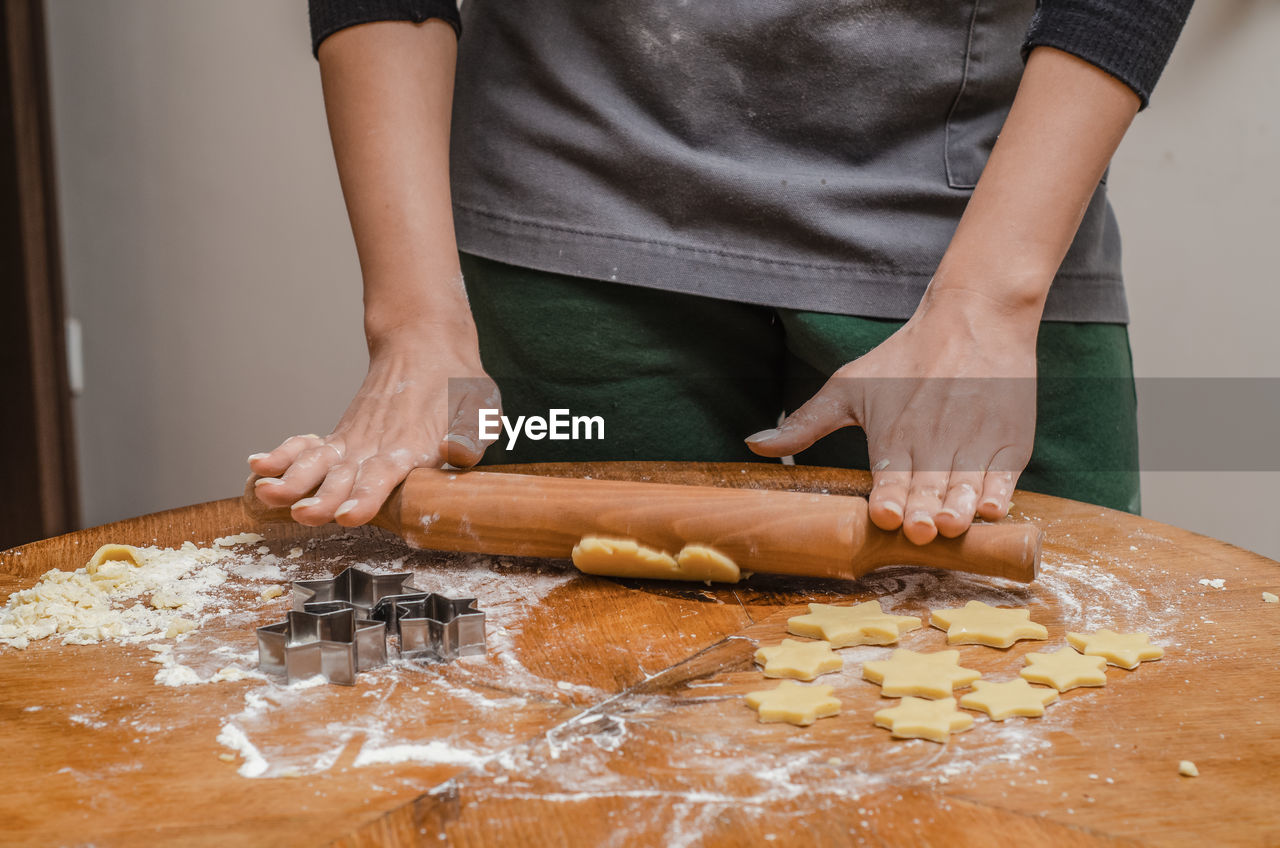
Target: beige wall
{"points": [[1196, 185], [208, 256], [207, 250]]}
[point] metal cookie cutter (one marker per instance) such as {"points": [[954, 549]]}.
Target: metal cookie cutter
{"points": [[328, 639], [357, 588], [434, 626]]}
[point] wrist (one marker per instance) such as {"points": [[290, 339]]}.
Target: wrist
{"points": [[433, 336], [982, 318], [427, 316], [1011, 294]]}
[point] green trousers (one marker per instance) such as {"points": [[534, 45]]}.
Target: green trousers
{"points": [[683, 377]]}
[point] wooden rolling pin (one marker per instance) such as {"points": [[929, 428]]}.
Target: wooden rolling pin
{"points": [[767, 531], [772, 532]]}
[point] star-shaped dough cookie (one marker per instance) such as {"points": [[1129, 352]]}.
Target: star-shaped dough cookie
{"points": [[924, 675], [1012, 698], [1065, 669], [791, 702], [1123, 649], [800, 660], [977, 623], [917, 718], [860, 624]]}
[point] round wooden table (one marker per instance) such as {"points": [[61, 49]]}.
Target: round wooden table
{"points": [[611, 712]]}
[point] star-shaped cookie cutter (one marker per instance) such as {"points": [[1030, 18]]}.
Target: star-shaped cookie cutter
{"points": [[429, 625], [329, 639], [360, 589], [434, 626]]}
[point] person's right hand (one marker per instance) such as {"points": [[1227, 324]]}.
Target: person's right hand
{"points": [[405, 416]]}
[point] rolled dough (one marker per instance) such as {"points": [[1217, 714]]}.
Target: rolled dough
{"points": [[628, 558], [113, 553]]}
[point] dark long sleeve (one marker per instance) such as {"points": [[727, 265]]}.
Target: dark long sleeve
{"points": [[1129, 39], [329, 16]]}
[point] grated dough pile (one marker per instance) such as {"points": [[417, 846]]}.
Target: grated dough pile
{"points": [[128, 595]]}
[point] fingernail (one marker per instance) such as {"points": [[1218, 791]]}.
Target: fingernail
{"points": [[764, 435], [992, 503], [946, 510], [267, 481], [254, 456], [890, 506], [346, 507], [461, 441], [305, 503], [921, 518]]}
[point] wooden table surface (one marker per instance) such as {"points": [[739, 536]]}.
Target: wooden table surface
{"points": [[611, 712]]}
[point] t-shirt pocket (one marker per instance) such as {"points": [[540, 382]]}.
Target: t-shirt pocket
{"points": [[992, 67]]}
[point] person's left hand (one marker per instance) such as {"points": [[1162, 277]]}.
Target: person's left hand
{"points": [[948, 403]]}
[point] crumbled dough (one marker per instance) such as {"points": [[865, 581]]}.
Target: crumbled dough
{"points": [[227, 757], [799, 660], [179, 626], [294, 553], [860, 624], [1065, 669], [977, 623], [1125, 650], [231, 673], [923, 675], [271, 592], [628, 558], [1186, 768], [1269, 598], [791, 702], [123, 593], [166, 599], [1011, 698], [919, 718]]}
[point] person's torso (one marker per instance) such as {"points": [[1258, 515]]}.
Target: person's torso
{"points": [[799, 153]]}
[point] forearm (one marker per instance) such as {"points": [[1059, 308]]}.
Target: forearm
{"points": [[388, 91], [1065, 124]]}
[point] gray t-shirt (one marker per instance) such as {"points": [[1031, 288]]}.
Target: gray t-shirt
{"points": [[791, 153]]}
